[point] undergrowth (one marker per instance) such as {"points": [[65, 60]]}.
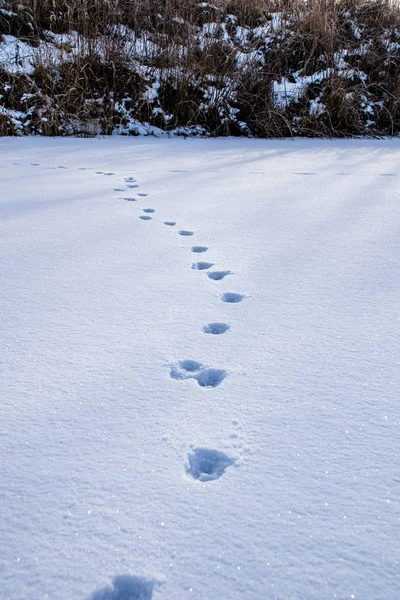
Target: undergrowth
{"points": [[230, 67]]}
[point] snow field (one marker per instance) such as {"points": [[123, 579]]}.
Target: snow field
{"points": [[202, 407]]}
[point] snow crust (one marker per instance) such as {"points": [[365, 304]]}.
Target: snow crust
{"points": [[162, 439]]}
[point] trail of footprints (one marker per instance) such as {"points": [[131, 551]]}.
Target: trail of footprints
{"points": [[204, 464]]}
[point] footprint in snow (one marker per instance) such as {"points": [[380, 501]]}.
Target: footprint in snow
{"points": [[145, 218], [218, 275], [216, 328], [61, 167], [141, 194], [129, 199], [133, 186], [170, 223], [199, 249], [35, 164], [201, 266], [184, 232], [232, 297], [118, 190], [127, 587], [206, 464], [205, 377], [149, 210], [129, 179]]}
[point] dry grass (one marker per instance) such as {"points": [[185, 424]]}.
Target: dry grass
{"points": [[92, 86]]}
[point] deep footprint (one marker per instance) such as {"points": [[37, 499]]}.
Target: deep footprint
{"points": [[208, 465], [145, 218], [127, 587], [149, 210], [185, 232], [198, 249], [201, 266], [170, 223], [216, 328], [218, 275], [232, 297], [143, 195], [210, 377]]}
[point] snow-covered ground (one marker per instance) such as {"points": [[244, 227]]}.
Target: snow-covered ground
{"points": [[145, 457]]}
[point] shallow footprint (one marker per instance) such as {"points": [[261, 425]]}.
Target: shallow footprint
{"points": [[198, 249], [145, 218], [216, 328], [190, 365], [149, 210], [232, 297], [191, 369], [218, 275], [129, 199], [134, 185], [200, 266], [144, 195], [170, 223], [118, 189], [206, 464], [185, 232], [185, 367]]}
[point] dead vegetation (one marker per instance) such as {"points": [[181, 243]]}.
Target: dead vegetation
{"points": [[228, 67]]}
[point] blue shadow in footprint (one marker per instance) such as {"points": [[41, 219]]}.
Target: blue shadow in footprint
{"points": [[206, 464], [216, 328], [126, 587], [232, 297]]}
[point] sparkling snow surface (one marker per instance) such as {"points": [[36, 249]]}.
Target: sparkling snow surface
{"points": [[172, 434]]}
